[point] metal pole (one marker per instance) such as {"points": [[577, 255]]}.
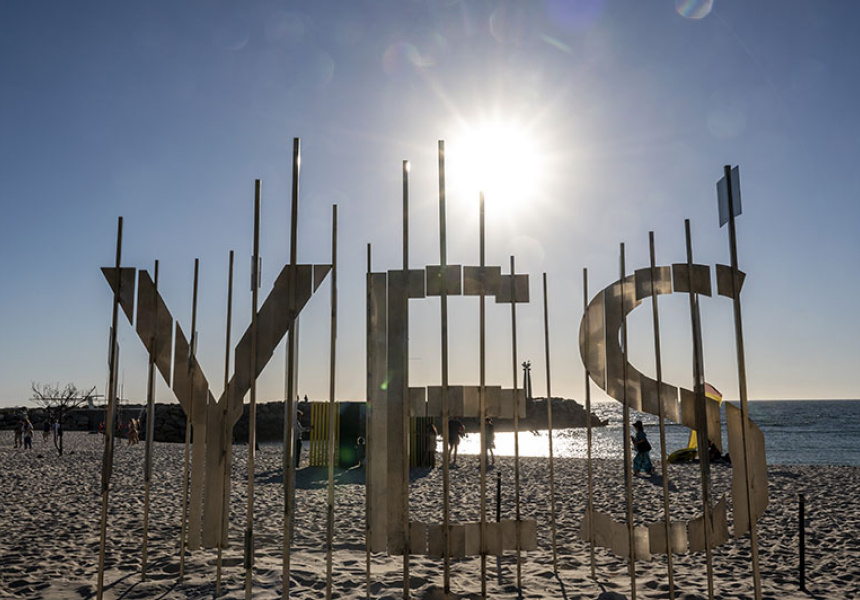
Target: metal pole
{"points": [[252, 408], [443, 268], [107, 461], [224, 428], [332, 408], [516, 424], [367, 420], [289, 465], [405, 380], [664, 463], [498, 519], [189, 415], [150, 426], [589, 466], [801, 522], [483, 398], [742, 382], [701, 418], [549, 425], [628, 477]]}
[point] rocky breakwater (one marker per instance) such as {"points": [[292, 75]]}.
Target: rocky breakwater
{"points": [[566, 414]]}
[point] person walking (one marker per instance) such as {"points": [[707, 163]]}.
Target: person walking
{"points": [[28, 434], [491, 440], [642, 460], [456, 430]]}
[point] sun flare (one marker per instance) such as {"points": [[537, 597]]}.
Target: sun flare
{"points": [[498, 158]]}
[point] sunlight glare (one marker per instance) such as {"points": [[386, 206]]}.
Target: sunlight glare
{"points": [[499, 159]]}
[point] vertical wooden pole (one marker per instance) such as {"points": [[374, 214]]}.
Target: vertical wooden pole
{"points": [[189, 416], [628, 476], [664, 463], [252, 408], [332, 408], [742, 382], [405, 381], [549, 425], [589, 466], [107, 461], [516, 424], [150, 426], [289, 464], [225, 429], [483, 397], [443, 295], [701, 418], [368, 414], [801, 522]]}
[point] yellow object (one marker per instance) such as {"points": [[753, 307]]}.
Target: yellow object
{"points": [[711, 393]]}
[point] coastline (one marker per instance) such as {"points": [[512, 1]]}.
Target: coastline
{"points": [[52, 507]]}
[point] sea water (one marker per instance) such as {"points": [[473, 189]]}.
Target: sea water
{"points": [[796, 432]]}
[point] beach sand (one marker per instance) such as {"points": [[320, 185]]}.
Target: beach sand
{"points": [[51, 507]]}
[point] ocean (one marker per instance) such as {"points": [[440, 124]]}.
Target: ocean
{"points": [[796, 432]]}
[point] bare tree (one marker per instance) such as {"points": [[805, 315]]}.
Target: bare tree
{"points": [[58, 402]]}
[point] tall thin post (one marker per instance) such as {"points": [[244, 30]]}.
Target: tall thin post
{"points": [[701, 418], [664, 463], [549, 425], [150, 426], [289, 464], [443, 296], [224, 429], [107, 461], [628, 477], [252, 408], [405, 382], [483, 398], [516, 424], [367, 420], [332, 408], [742, 381], [189, 416], [589, 466], [801, 523]]}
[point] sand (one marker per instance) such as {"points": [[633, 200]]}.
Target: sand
{"points": [[51, 507]]}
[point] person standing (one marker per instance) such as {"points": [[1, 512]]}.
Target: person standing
{"points": [[491, 440], [28, 434], [456, 430], [19, 433], [642, 460]]}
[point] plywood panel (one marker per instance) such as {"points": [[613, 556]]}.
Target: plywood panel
{"points": [[477, 279], [758, 469]]}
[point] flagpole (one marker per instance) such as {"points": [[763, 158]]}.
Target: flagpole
{"points": [[701, 418], [742, 380], [628, 477], [107, 461], [664, 466], [150, 425], [589, 466]]}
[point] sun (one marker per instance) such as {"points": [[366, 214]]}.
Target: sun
{"points": [[498, 158]]}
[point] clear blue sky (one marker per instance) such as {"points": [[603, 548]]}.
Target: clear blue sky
{"points": [[165, 113]]}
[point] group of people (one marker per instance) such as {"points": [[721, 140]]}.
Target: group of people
{"points": [[457, 431], [24, 432]]}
